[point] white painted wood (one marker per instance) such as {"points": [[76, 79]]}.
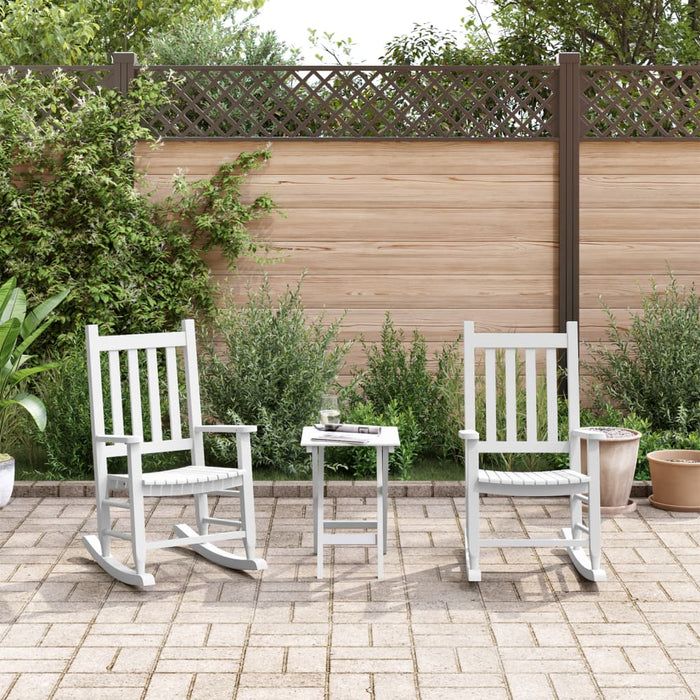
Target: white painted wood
{"points": [[384, 443], [173, 393], [510, 358], [490, 395], [154, 395], [582, 540], [115, 387], [531, 394], [197, 479], [552, 412]]}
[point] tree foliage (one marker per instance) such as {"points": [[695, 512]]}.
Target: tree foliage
{"points": [[67, 32], [638, 32], [217, 42]]}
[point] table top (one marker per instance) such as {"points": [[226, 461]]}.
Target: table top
{"points": [[388, 437]]}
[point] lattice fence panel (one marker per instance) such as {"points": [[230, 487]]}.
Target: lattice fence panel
{"points": [[352, 102], [640, 102]]}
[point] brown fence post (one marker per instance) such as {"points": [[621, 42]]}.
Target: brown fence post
{"points": [[125, 67], [569, 132]]}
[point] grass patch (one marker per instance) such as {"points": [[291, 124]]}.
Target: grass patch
{"points": [[425, 469]]}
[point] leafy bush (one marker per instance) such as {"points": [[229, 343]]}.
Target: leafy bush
{"points": [[71, 216], [267, 364], [399, 376], [652, 369], [66, 440], [362, 463]]}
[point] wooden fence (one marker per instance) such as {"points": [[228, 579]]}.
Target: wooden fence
{"points": [[516, 196], [439, 232]]}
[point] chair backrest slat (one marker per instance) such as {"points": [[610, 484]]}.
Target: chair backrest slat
{"points": [[115, 392], [173, 394], [511, 395], [531, 394], [154, 394], [552, 409], [491, 397], [132, 363]]}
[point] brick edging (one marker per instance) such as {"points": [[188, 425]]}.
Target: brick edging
{"points": [[290, 489]]}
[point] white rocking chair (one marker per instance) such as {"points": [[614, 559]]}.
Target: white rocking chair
{"points": [[583, 542], [141, 355]]}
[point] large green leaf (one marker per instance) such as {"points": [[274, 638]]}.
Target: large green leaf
{"points": [[13, 302], [18, 376], [6, 291], [39, 313], [9, 332], [33, 405]]}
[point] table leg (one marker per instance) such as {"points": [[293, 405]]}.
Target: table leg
{"points": [[381, 512], [317, 471], [385, 468]]}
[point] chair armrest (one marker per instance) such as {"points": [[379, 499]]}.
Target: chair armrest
{"points": [[227, 429], [469, 434], [126, 439], [587, 434]]}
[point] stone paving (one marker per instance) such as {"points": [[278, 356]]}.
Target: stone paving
{"points": [[531, 629]]}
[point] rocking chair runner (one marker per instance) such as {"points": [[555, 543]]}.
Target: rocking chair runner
{"points": [[163, 435], [581, 488]]}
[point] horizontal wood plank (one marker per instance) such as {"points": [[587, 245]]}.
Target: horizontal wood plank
{"points": [[636, 191], [487, 291], [642, 258], [294, 157], [407, 224], [678, 157], [381, 258], [397, 190]]}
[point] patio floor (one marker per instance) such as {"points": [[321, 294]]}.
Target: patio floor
{"points": [[531, 629]]}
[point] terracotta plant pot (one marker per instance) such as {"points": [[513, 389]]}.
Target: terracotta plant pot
{"points": [[618, 463], [7, 480], [675, 480]]}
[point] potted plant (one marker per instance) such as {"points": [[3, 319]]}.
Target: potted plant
{"points": [[675, 479], [18, 330], [618, 462]]}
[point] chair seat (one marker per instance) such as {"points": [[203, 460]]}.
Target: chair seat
{"points": [[182, 481], [557, 481]]}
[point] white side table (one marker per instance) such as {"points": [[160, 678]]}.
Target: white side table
{"points": [[385, 442]]}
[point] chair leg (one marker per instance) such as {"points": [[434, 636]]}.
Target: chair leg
{"points": [[201, 512], [594, 526], [98, 546], [248, 515], [216, 554], [587, 564], [472, 536], [472, 514], [138, 532], [103, 520]]}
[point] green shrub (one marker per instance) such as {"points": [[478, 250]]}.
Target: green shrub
{"points": [[361, 463], [652, 369], [267, 364], [72, 217], [399, 376]]}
